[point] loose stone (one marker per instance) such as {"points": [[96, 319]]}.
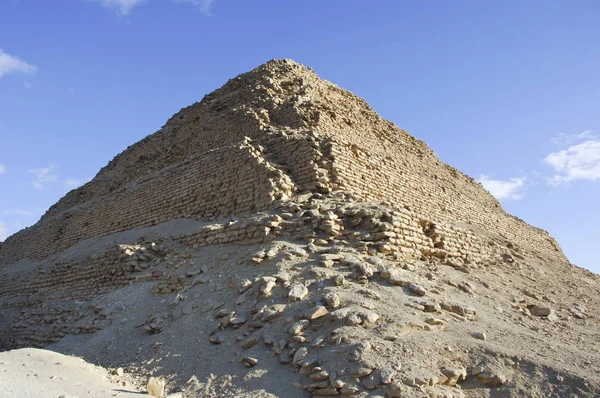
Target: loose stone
{"points": [[316, 312], [297, 292]]}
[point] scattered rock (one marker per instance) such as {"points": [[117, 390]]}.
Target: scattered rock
{"points": [[297, 327], [539, 311], [118, 372], [492, 379], [156, 387], [316, 312], [325, 392], [454, 375], [435, 321], [417, 289], [369, 316], [361, 371], [250, 342], [431, 307], [320, 375], [215, 339], [469, 313], [269, 314], [297, 292], [372, 381], [339, 280], [249, 362], [332, 300], [353, 319], [348, 390], [300, 354], [387, 376]]}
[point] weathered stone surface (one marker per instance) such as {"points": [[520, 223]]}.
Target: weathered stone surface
{"points": [[297, 327], [435, 321], [349, 390], [250, 342], [316, 312], [464, 310], [332, 300], [387, 376], [249, 362], [492, 379], [300, 354], [539, 311], [417, 289], [297, 292], [156, 387], [326, 392]]}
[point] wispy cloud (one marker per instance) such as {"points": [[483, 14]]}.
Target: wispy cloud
{"points": [[577, 162], [2, 169], [3, 232], [564, 139], [12, 64], [43, 176], [503, 189], [123, 7], [204, 5], [18, 212]]}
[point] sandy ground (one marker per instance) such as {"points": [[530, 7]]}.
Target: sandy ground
{"points": [[35, 373]]}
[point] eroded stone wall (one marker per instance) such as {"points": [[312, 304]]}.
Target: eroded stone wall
{"points": [[424, 184], [231, 180], [303, 134]]}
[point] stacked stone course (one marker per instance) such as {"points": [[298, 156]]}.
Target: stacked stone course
{"points": [[261, 138], [233, 180], [429, 187]]}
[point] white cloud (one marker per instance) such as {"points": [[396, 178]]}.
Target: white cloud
{"points": [[564, 139], [3, 232], [203, 5], [123, 7], [18, 212], [46, 176], [12, 64], [2, 169], [577, 162], [503, 189], [43, 176]]}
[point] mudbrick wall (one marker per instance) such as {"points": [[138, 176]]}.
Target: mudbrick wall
{"points": [[252, 175], [231, 180], [42, 304], [429, 187]]}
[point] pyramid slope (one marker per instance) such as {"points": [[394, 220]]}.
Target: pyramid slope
{"points": [[290, 132], [278, 95]]}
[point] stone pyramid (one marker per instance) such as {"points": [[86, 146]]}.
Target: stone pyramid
{"points": [[283, 237]]}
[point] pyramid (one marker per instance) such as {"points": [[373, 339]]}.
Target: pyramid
{"points": [[300, 233]]}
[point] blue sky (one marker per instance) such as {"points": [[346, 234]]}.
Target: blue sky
{"points": [[507, 92]]}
